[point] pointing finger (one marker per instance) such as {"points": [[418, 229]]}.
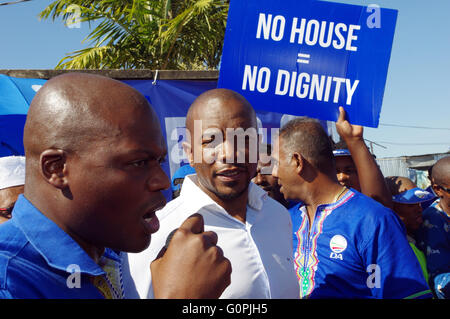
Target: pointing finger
{"points": [[341, 117]]}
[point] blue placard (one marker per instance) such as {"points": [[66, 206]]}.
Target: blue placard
{"points": [[309, 57]]}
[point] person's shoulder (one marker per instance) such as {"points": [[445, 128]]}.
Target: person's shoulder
{"points": [[366, 206], [372, 219], [16, 260], [368, 213], [275, 212], [174, 206], [22, 277], [170, 217], [295, 207], [12, 239], [432, 211], [276, 207], [12, 272]]}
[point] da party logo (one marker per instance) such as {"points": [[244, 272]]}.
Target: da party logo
{"points": [[421, 194], [337, 244]]}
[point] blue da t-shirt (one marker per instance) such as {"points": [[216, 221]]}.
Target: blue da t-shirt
{"points": [[356, 248]]}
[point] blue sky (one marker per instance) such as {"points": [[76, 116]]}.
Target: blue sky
{"points": [[417, 88]]}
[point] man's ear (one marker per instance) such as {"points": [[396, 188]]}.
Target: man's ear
{"points": [[188, 151], [437, 190], [54, 168], [299, 162]]}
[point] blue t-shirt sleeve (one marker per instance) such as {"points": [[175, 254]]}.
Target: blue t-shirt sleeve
{"points": [[393, 269]]}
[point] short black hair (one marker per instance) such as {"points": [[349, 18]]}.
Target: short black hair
{"points": [[441, 170], [307, 137], [341, 145]]}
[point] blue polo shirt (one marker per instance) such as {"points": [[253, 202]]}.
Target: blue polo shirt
{"points": [[39, 260], [356, 248]]}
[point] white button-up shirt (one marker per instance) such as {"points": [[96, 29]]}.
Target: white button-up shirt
{"points": [[260, 250]]}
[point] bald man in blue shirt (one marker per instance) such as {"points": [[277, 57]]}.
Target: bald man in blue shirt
{"points": [[93, 182]]}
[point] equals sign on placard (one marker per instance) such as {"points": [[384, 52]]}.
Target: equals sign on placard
{"points": [[303, 58]]}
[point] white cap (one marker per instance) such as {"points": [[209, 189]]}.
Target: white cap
{"points": [[12, 171]]}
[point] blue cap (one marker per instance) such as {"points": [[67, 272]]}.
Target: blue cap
{"points": [[413, 196], [181, 173], [342, 152]]}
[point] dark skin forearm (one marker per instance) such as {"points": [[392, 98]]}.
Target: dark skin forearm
{"points": [[371, 179]]}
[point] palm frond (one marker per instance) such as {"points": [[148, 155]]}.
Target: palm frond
{"points": [[176, 34]]}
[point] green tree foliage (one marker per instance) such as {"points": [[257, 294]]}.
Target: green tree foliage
{"points": [[145, 34]]}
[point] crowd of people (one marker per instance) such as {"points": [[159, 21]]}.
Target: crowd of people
{"points": [[84, 216]]}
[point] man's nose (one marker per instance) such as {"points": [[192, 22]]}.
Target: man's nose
{"points": [[342, 177], [258, 179], [230, 152], [159, 181], [275, 171]]}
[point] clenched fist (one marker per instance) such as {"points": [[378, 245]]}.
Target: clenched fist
{"points": [[192, 266]]}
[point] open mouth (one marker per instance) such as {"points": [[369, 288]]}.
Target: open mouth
{"points": [[151, 221]]}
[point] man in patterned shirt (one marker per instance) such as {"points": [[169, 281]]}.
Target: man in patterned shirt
{"points": [[346, 245]]}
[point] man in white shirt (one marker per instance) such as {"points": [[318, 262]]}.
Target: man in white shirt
{"points": [[253, 230]]}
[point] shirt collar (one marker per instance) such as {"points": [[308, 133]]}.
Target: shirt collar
{"points": [[256, 195], [332, 206], [329, 207], [51, 241]]}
